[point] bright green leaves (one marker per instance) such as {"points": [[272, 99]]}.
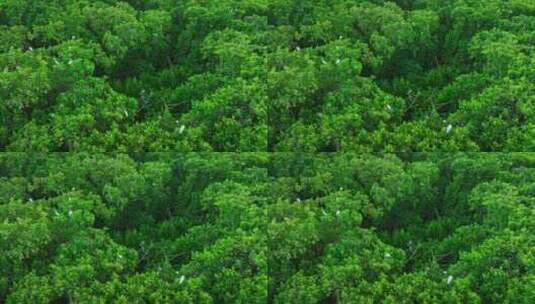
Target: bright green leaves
{"points": [[249, 76], [24, 83], [279, 228], [82, 263], [116, 29], [315, 237], [73, 213], [344, 75], [379, 229], [329, 236], [12, 37], [161, 228], [90, 258], [502, 206], [82, 118], [235, 267], [71, 62], [230, 51], [319, 101], [353, 265], [491, 266], [231, 119], [426, 63], [25, 231], [498, 50], [501, 117], [158, 68]]}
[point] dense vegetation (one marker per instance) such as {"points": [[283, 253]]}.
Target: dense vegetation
{"points": [[261, 228], [406, 75], [420, 228], [181, 151], [81, 228], [283, 75], [80, 75]]}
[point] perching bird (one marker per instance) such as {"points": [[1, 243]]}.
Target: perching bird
{"points": [[448, 128]]}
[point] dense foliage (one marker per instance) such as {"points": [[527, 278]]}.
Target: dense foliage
{"points": [[406, 75], [180, 151], [80, 75], [260, 228], [421, 228], [80, 228], [283, 75]]}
